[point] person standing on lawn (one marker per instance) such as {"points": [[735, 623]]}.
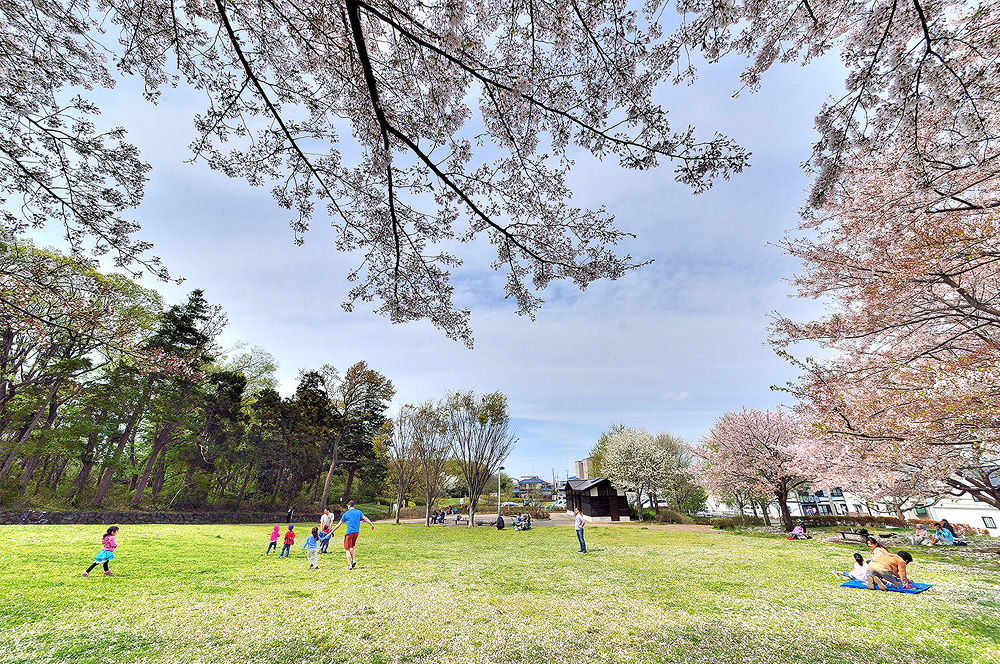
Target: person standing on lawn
{"points": [[311, 546], [289, 541], [275, 534], [580, 521], [353, 518], [107, 552]]}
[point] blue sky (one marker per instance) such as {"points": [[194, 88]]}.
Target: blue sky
{"points": [[670, 347]]}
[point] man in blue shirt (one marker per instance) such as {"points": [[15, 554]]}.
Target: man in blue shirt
{"points": [[353, 518]]}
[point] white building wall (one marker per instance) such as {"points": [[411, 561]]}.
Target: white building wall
{"points": [[964, 510]]}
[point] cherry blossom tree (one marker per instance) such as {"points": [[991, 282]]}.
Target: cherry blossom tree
{"points": [[412, 125], [899, 241], [755, 451], [636, 462]]}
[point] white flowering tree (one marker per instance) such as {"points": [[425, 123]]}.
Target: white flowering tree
{"points": [[635, 463]]}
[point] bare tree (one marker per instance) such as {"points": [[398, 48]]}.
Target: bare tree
{"points": [[398, 444], [480, 437], [431, 447]]}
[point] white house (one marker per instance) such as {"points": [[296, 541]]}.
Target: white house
{"points": [[963, 509], [958, 510]]}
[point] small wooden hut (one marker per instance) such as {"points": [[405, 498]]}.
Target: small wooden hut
{"points": [[597, 499]]}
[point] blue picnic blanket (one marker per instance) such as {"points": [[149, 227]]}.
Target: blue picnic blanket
{"points": [[917, 587]]}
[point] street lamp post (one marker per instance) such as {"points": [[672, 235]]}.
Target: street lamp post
{"points": [[499, 474]]}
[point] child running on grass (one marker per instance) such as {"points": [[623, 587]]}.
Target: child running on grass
{"points": [[289, 541], [310, 547], [107, 552], [274, 540]]}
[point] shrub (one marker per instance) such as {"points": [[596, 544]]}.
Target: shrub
{"points": [[671, 516], [848, 521], [730, 523]]}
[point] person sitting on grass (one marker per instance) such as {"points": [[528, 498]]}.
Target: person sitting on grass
{"points": [[875, 546], [888, 569], [860, 571], [943, 536], [920, 536], [798, 532]]}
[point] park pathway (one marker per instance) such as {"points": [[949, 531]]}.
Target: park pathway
{"points": [[564, 519]]}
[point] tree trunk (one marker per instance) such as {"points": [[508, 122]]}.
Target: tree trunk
{"points": [[25, 433], [29, 469], [351, 469], [42, 473], [786, 515], [399, 502], [159, 443], [159, 477], [81, 481], [246, 480], [57, 474], [127, 435], [472, 510], [329, 474], [131, 461], [766, 512]]}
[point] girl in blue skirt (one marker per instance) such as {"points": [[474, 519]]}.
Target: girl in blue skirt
{"points": [[107, 552]]}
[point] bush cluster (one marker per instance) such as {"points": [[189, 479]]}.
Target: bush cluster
{"points": [[729, 523], [850, 521]]}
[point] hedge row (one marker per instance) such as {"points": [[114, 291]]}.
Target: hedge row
{"points": [[807, 522]]}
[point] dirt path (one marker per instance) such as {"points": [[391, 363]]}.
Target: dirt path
{"points": [[562, 519]]}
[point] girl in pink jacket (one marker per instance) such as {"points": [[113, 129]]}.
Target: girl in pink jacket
{"points": [[107, 552], [274, 540]]}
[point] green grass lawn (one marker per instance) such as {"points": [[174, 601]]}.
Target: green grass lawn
{"points": [[207, 594]]}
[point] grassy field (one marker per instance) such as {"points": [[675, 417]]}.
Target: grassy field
{"points": [[207, 594]]}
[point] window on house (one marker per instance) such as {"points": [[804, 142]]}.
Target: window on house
{"points": [[820, 494], [989, 522], [836, 493], [921, 511], [857, 508]]}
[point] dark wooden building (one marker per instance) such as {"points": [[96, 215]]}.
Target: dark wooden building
{"points": [[597, 498]]}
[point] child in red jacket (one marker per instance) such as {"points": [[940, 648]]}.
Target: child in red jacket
{"points": [[289, 541]]}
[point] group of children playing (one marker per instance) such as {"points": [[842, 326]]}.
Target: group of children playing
{"points": [[316, 543], [319, 538]]}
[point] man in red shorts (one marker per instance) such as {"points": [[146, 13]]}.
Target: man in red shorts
{"points": [[353, 518]]}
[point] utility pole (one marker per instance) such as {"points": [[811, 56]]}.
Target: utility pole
{"points": [[569, 446]]}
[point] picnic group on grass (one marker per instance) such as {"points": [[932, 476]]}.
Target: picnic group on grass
{"points": [[883, 570]]}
